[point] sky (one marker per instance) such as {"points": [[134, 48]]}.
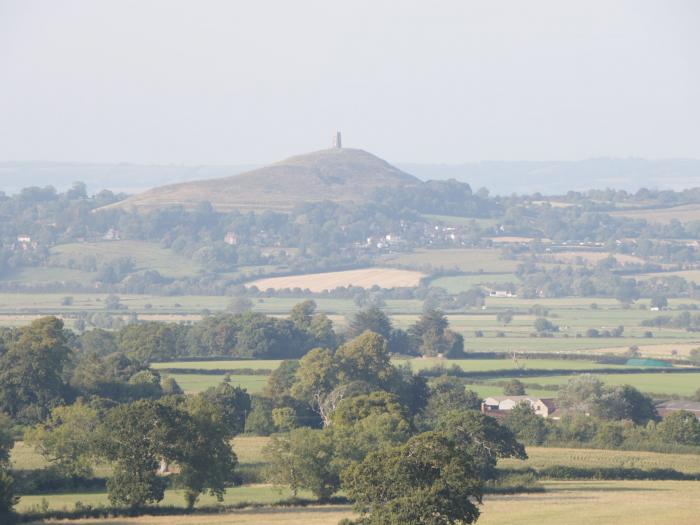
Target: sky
{"points": [[248, 82]]}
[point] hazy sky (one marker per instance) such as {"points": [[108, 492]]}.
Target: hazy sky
{"points": [[199, 81]]}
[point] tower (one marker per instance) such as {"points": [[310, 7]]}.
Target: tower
{"points": [[337, 141]]}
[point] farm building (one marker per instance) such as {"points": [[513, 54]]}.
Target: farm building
{"points": [[667, 407], [498, 405]]}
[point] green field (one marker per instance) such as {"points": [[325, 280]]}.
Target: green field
{"points": [[480, 365], [269, 364], [543, 457], [146, 256], [683, 384], [193, 383], [562, 503], [463, 259], [462, 283]]}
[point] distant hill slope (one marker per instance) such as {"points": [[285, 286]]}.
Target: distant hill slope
{"points": [[339, 175]]}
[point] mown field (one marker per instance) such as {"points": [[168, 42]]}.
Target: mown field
{"points": [[364, 278], [562, 503]]}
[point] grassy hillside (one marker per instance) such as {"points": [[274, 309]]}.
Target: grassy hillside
{"points": [[146, 255], [338, 175]]}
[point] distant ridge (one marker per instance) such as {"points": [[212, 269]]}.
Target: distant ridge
{"points": [[336, 174]]}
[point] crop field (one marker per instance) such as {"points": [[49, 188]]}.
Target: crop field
{"points": [[146, 255], [563, 502], [464, 259], [453, 220], [543, 457], [688, 275], [365, 278], [682, 384]]}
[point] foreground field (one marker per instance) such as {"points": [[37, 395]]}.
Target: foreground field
{"points": [[569, 503], [365, 278]]}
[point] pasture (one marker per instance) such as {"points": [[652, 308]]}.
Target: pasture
{"points": [[683, 213], [364, 278], [462, 259], [146, 256], [682, 384], [193, 383]]}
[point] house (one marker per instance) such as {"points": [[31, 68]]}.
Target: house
{"points": [[498, 406], [501, 293], [112, 235], [230, 238], [668, 407], [24, 239]]}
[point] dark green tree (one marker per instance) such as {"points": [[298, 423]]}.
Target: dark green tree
{"points": [[429, 479]]}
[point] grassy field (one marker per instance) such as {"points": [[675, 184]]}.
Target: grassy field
{"points": [[269, 364], [683, 213], [657, 383], [193, 383], [464, 259], [462, 283], [563, 503], [542, 457], [365, 278], [146, 255], [479, 365]]}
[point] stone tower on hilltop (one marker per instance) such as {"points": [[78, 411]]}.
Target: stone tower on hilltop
{"points": [[337, 141]]}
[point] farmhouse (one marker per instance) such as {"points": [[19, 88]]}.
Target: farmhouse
{"points": [[498, 406], [668, 407]]}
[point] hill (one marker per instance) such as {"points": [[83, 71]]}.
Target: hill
{"points": [[336, 174]]}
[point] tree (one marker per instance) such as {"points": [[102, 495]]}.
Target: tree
{"points": [[303, 459], [372, 319], [483, 437], [543, 325], [140, 437], [681, 427], [581, 394], [527, 426], [8, 498], [504, 317], [430, 335], [429, 479], [365, 423], [365, 358], [31, 371], [240, 305], [659, 301], [447, 393], [514, 387], [302, 314], [66, 439], [315, 378], [625, 402]]}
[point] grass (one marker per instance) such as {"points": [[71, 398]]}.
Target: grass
{"points": [[683, 384], [365, 278], [480, 365], [193, 383], [563, 502], [269, 364], [543, 457], [464, 259], [462, 283], [146, 255]]}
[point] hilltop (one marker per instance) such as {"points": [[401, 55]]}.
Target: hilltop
{"points": [[337, 174]]}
